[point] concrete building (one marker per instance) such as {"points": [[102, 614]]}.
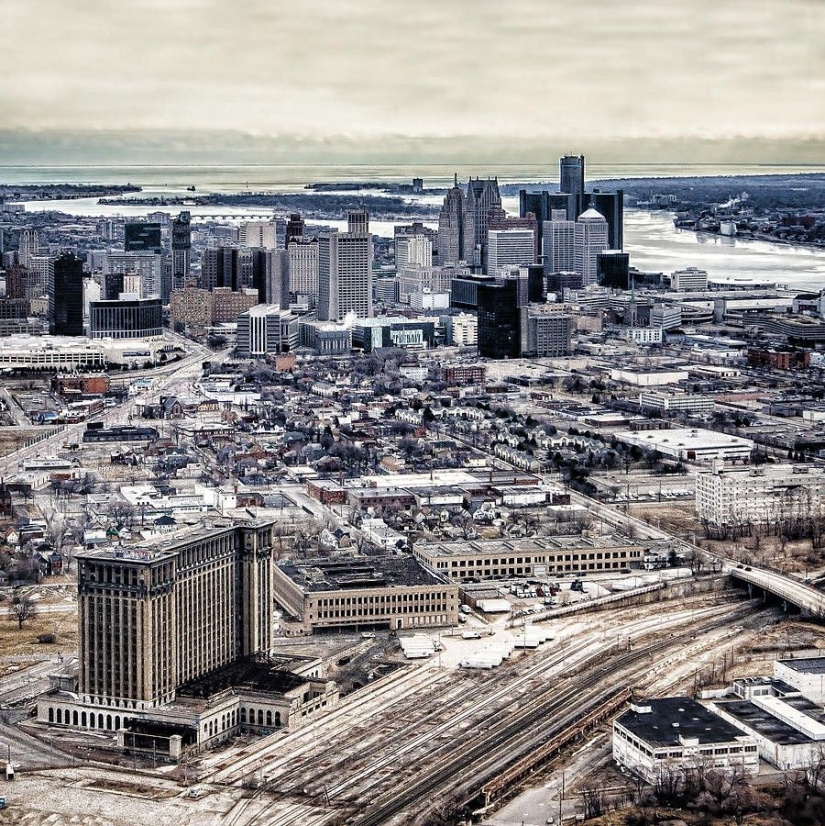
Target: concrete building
{"points": [[227, 304], [265, 329], [549, 332], [416, 250], [394, 592], [559, 245], [666, 316], [591, 239], [675, 402], [148, 265], [302, 267], [396, 331], [451, 227], [345, 270], [807, 674], [25, 352], [465, 330], [327, 338], [673, 736], [690, 444], [181, 244], [689, 279], [757, 495], [481, 197], [644, 335], [129, 318], [258, 234], [545, 556], [510, 248]]}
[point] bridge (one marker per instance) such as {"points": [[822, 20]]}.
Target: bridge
{"points": [[246, 216], [804, 597]]}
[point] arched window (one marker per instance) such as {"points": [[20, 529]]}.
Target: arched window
{"points": [[51, 714], [243, 716], [60, 715], [278, 719], [260, 716], [82, 719], [100, 721], [269, 718], [109, 722], [117, 723], [74, 719]]}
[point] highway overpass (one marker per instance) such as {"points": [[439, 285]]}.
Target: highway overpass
{"points": [[804, 597]]}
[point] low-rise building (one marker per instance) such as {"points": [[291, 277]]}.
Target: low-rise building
{"points": [[378, 591], [690, 444], [537, 556], [674, 736]]}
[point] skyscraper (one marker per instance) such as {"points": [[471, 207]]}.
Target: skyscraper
{"points": [[294, 227], [219, 268], [559, 248], [181, 246], [502, 308], [141, 236], [482, 195], [28, 244], [258, 234], [413, 249], [510, 247], [611, 205], [68, 296], [591, 239], [345, 270], [451, 227], [571, 178]]}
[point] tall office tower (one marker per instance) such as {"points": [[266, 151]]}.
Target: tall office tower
{"points": [[559, 248], [502, 308], [142, 236], [413, 250], [611, 205], [251, 271], [345, 270], [181, 246], [571, 178], [543, 204], [148, 265], [28, 244], [258, 234], [295, 227], [613, 269], [42, 269], [67, 299], [276, 286], [482, 195], [219, 268], [510, 247], [302, 267], [591, 239], [451, 227], [266, 329], [156, 617]]}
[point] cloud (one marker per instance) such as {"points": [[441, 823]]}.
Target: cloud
{"points": [[525, 68]]}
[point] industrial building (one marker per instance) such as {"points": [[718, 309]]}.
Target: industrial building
{"points": [[690, 444], [371, 592], [737, 496], [545, 556], [674, 736]]}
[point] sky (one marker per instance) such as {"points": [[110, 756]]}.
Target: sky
{"points": [[333, 73]]}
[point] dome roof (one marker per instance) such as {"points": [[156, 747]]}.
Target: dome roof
{"points": [[591, 214]]}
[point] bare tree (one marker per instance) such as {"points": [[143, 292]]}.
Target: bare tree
{"points": [[22, 608]]}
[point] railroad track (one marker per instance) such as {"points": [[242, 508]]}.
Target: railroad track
{"points": [[465, 773]]}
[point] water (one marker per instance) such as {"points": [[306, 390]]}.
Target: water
{"points": [[651, 239]]}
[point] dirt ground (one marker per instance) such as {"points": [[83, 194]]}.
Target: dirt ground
{"points": [[24, 641]]}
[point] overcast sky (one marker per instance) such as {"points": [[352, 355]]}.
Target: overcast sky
{"points": [[527, 68]]}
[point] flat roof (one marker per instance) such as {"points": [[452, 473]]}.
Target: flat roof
{"points": [[387, 571], [763, 723], [574, 542], [672, 718], [695, 438], [806, 665]]}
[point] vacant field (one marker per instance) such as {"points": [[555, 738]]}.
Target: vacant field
{"points": [[24, 641]]}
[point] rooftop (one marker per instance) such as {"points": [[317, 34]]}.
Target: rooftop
{"points": [[672, 719], [806, 665], [351, 574], [760, 721], [573, 542]]}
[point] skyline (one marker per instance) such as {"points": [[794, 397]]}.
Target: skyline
{"points": [[347, 80]]}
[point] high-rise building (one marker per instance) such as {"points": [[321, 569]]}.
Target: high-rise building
{"points": [[219, 268], [259, 234], [42, 267], [613, 269], [252, 271], [510, 247], [482, 195], [181, 247], [345, 270], [28, 244], [502, 308], [571, 177], [67, 298], [148, 265], [156, 617], [451, 227], [127, 318], [549, 332], [266, 329], [142, 236], [591, 239], [559, 245], [295, 227], [416, 250], [611, 205], [302, 266]]}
